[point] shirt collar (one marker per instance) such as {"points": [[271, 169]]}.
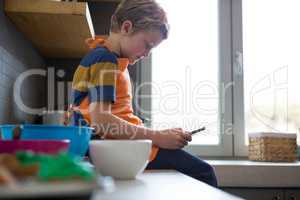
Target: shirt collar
{"points": [[98, 41]]}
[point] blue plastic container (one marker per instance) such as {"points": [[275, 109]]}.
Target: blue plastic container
{"points": [[79, 136]]}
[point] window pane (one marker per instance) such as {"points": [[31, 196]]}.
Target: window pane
{"points": [[271, 65], [185, 70]]}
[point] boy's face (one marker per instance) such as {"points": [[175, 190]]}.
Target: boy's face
{"points": [[139, 45]]}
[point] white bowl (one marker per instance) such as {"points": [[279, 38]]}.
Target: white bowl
{"points": [[121, 159]]}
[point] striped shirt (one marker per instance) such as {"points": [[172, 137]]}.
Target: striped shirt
{"points": [[102, 76]]}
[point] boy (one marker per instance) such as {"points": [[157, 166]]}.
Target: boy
{"points": [[101, 88]]}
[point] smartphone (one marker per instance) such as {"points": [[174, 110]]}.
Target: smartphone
{"points": [[197, 130]]}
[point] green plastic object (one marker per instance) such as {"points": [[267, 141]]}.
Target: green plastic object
{"points": [[58, 167]]}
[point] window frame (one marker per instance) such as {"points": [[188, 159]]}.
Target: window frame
{"points": [[240, 148], [225, 146]]}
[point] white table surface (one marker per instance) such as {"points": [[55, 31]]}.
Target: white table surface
{"points": [[162, 184]]}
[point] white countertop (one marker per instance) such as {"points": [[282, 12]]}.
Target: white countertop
{"points": [[162, 184], [245, 173]]}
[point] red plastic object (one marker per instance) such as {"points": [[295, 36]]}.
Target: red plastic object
{"points": [[37, 146]]}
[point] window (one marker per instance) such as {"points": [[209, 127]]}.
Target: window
{"points": [[186, 74], [231, 65], [185, 70], [271, 50], [271, 67]]}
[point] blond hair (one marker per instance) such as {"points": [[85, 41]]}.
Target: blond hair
{"points": [[144, 14]]}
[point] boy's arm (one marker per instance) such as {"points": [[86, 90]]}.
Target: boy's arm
{"points": [[111, 126]]}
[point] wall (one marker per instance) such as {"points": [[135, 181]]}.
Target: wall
{"points": [[64, 70], [16, 56], [101, 13]]}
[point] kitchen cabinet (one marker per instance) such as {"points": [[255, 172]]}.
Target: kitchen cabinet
{"points": [[265, 193], [257, 193], [292, 194], [57, 29]]}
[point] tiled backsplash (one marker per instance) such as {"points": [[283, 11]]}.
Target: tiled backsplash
{"points": [[16, 56]]}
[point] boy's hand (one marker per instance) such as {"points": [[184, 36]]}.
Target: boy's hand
{"points": [[175, 138]]}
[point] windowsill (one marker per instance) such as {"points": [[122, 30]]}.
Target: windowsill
{"points": [[245, 173]]}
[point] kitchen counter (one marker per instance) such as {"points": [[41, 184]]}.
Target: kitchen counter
{"points": [[162, 184]]}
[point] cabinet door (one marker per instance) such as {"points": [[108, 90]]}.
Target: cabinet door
{"points": [[293, 194], [257, 194]]}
